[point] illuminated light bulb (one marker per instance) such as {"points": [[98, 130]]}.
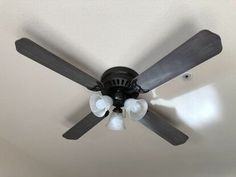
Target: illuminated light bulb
{"points": [[135, 109], [100, 104], [116, 121]]}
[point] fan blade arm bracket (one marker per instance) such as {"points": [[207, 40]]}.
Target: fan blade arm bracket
{"points": [[137, 88], [96, 88]]}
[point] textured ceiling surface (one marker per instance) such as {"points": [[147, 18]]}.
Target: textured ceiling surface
{"points": [[38, 105]]}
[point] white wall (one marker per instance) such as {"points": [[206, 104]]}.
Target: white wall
{"points": [[15, 163]]}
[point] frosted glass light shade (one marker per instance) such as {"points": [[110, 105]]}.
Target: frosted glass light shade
{"points": [[135, 109], [100, 104], [116, 121]]}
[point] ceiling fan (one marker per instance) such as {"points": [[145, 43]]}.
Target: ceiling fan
{"points": [[121, 86]]}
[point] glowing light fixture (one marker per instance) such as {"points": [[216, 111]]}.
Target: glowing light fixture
{"points": [[135, 109], [100, 104], [116, 121]]}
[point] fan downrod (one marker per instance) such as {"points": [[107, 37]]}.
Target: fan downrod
{"points": [[117, 84]]}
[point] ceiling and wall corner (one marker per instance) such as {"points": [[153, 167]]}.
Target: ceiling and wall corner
{"points": [[38, 105]]}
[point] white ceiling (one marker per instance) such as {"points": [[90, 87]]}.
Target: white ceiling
{"points": [[38, 105]]}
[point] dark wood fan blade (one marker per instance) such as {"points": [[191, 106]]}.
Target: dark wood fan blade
{"points": [[37, 53], [161, 127], [83, 126], [193, 52]]}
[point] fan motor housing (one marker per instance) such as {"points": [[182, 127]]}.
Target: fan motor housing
{"points": [[117, 84]]}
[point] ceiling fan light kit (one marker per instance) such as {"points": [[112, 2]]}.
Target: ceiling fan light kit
{"points": [[121, 86]]}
